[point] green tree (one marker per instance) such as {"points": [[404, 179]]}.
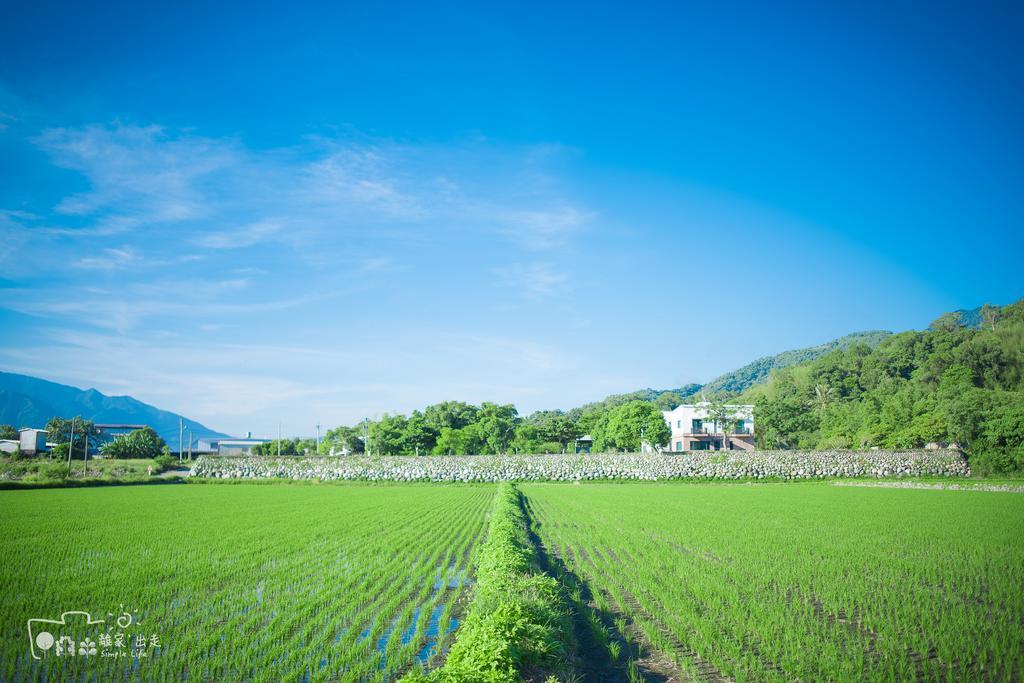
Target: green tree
{"points": [[387, 435], [495, 426], [58, 430], [419, 435], [629, 425], [342, 440], [527, 439], [450, 414], [140, 443], [947, 322], [8, 432], [554, 425], [450, 442], [823, 397], [724, 416], [989, 316]]}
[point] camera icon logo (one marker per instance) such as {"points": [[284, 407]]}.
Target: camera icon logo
{"points": [[55, 635]]}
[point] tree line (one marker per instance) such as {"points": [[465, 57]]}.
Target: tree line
{"points": [[458, 428]]}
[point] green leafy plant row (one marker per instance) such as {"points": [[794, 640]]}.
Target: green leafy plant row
{"points": [[518, 624]]}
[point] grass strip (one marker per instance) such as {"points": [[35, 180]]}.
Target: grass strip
{"points": [[518, 626]]}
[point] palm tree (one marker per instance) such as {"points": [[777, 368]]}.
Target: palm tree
{"points": [[823, 396]]}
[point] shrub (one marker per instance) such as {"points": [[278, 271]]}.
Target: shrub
{"points": [[163, 463], [837, 443], [986, 462], [54, 470]]}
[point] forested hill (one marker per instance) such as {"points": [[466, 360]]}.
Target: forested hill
{"points": [[953, 383], [737, 381], [758, 371]]}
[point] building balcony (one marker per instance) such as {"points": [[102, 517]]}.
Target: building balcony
{"points": [[707, 431]]}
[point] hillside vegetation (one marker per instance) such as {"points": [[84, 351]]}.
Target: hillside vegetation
{"points": [[949, 384], [759, 370]]}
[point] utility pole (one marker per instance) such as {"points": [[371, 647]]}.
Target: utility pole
{"points": [[189, 443], [85, 459], [318, 438], [279, 439], [181, 436], [71, 446]]}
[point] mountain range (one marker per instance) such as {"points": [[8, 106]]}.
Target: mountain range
{"points": [[30, 402]]}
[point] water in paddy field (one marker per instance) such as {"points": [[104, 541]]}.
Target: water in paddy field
{"points": [[449, 578], [434, 636]]}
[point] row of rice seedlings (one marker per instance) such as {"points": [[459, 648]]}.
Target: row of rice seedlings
{"points": [[258, 582], [776, 583]]}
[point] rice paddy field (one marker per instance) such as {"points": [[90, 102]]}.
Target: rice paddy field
{"points": [[664, 580], [797, 581], [238, 582]]}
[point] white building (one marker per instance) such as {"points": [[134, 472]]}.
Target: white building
{"points": [[693, 431], [32, 441], [222, 446]]}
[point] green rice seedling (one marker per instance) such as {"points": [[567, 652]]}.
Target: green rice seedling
{"points": [[802, 581], [633, 672], [237, 582]]}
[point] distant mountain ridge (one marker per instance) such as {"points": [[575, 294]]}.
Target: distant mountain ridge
{"points": [[30, 402], [757, 372], [749, 375]]}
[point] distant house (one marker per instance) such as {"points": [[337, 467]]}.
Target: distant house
{"points": [[9, 446], [584, 443], [109, 431], [693, 431], [228, 446], [32, 441]]}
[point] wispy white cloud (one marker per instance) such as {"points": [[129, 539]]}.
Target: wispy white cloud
{"points": [[138, 169], [541, 229], [109, 259], [160, 199], [144, 177], [534, 280], [241, 237]]}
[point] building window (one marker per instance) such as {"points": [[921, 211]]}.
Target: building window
{"points": [[739, 426], [679, 445], [679, 423], [697, 425]]}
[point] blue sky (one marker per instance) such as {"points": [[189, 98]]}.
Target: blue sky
{"points": [[262, 214]]}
